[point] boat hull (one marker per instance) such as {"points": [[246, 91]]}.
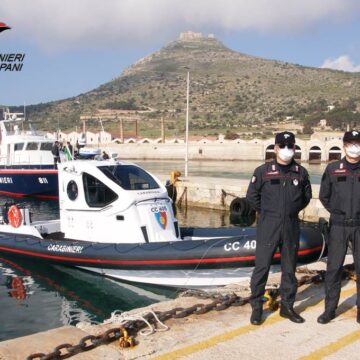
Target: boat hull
{"points": [[187, 263], [41, 183], [189, 279]]}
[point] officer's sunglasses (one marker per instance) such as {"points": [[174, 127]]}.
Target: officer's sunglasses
{"points": [[289, 146]]}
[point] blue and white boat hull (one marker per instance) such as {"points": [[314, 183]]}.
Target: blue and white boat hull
{"points": [[31, 182]]}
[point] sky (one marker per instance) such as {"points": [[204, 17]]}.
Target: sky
{"points": [[73, 46]]}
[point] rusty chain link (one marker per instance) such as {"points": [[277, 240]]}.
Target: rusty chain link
{"points": [[220, 302], [87, 343]]}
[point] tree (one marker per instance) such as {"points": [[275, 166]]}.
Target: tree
{"points": [[308, 129], [231, 135]]}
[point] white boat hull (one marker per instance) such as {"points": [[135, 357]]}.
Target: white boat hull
{"points": [[204, 278]]}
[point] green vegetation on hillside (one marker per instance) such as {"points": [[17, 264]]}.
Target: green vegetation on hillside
{"points": [[228, 90]]}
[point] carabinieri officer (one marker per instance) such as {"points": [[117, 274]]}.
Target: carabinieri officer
{"points": [[278, 191], [340, 195]]}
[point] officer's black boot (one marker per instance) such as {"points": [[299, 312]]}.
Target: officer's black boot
{"points": [[288, 312], [256, 315], [358, 315], [326, 317]]}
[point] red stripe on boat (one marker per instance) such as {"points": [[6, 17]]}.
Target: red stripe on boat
{"points": [[21, 195], [151, 262]]}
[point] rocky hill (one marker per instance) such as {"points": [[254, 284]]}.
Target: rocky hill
{"points": [[228, 90]]}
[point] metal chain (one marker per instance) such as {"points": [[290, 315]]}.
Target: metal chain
{"points": [[87, 343], [220, 302]]}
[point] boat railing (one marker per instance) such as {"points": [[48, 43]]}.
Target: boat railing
{"points": [[27, 133], [7, 161]]}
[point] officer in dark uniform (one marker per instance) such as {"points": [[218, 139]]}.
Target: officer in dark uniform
{"points": [[278, 191], [340, 195]]}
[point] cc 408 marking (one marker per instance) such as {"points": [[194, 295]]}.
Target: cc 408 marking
{"points": [[235, 246]]}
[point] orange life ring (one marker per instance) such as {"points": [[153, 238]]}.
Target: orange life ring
{"points": [[14, 216]]}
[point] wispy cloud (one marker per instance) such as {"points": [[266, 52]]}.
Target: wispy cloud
{"points": [[69, 23], [343, 63]]}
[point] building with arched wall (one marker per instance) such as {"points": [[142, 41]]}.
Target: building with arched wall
{"points": [[313, 150], [319, 148]]}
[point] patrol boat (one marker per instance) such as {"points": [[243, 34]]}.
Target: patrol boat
{"points": [[116, 219], [26, 161]]}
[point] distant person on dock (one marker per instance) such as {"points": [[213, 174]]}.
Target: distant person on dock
{"points": [[62, 153], [278, 191], [55, 153], [171, 188], [105, 156], [70, 147], [340, 195]]}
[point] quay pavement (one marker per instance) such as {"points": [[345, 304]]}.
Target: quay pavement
{"points": [[225, 334]]}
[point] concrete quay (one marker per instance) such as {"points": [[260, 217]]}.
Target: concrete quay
{"points": [[225, 334], [218, 193]]}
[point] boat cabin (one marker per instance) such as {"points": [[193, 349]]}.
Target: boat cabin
{"points": [[112, 201], [23, 148]]}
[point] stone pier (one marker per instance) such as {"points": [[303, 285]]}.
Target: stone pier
{"points": [[218, 193]]}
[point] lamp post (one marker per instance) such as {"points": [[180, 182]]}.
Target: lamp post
{"points": [[187, 124]]}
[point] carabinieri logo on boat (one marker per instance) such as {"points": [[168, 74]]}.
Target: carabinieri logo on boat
{"points": [[160, 215], [161, 219]]}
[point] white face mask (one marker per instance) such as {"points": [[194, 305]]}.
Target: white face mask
{"points": [[353, 150], [286, 154]]}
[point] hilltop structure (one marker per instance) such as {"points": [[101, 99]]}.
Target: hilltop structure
{"points": [[191, 35]]}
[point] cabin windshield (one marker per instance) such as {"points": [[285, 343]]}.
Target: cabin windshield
{"points": [[97, 194], [46, 146], [18, 147], [32, 146], [130, 177]]}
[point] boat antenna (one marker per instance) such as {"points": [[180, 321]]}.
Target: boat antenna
{"points": [[22, 123]]}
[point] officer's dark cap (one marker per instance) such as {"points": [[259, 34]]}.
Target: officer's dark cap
{"points": [[285, 137], [352, 135]]}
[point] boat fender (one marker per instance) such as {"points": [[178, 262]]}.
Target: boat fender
{"points": [[240, 207], [14, 216]]}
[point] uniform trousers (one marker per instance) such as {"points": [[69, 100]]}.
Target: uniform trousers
{"points": [[274, 233], [339, 238]]}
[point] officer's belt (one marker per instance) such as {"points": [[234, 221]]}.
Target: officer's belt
{"points": [[346, 222]]}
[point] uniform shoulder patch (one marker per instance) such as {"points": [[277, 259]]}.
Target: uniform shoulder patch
{"points": [[253, 179]]}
